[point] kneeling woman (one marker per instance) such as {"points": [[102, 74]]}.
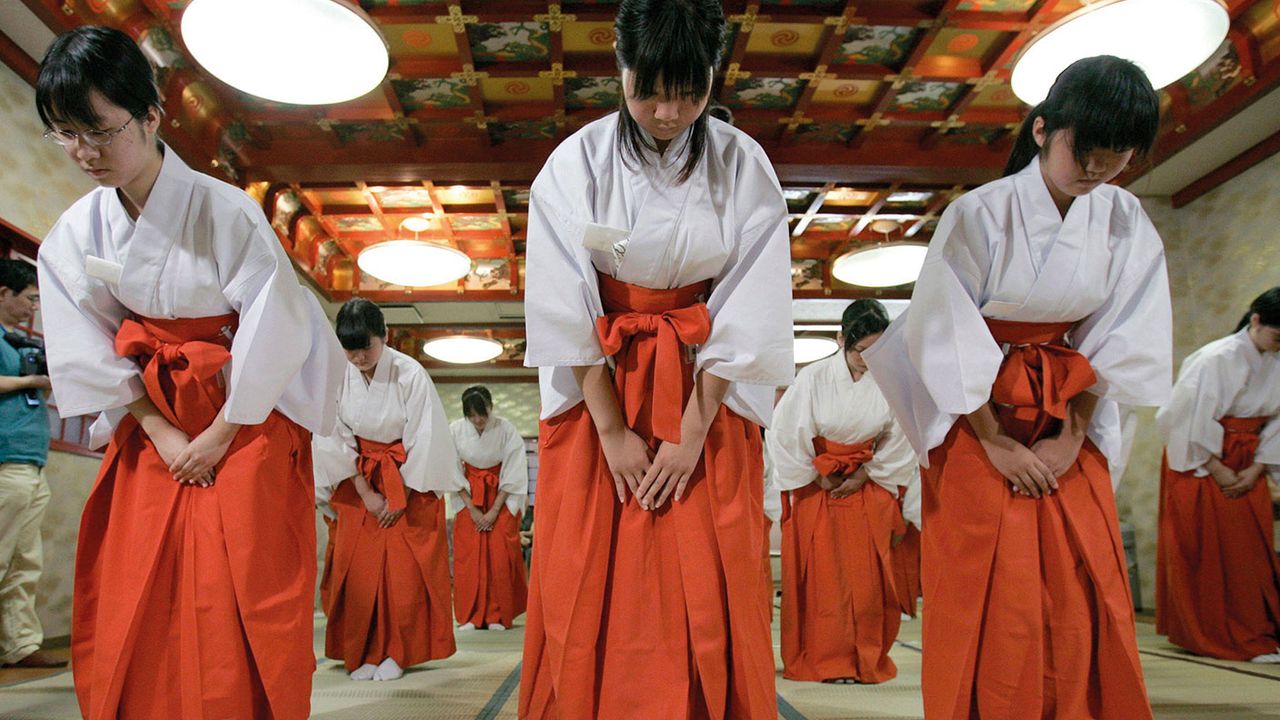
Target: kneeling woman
{"points": [[1217, 577], [392, 461], [488, 562], [840, 458]]}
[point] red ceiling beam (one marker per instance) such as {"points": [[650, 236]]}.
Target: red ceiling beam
{"points": [[1228, 170], [18, 60]]}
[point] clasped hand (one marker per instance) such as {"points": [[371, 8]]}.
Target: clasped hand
{"points": [[651, 477]]}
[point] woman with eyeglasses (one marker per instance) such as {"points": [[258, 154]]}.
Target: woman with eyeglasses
{"points": [[171, 308], [840, 458], [1217, 575], [658, 308]]}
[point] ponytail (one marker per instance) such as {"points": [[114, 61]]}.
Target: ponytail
{"points": [[1024, 149]]}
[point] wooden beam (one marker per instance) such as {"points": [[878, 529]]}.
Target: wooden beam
{"points": [[1228, 170], [18, 60]]}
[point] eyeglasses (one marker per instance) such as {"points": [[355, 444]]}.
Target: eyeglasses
{"points": [[92, 138]]}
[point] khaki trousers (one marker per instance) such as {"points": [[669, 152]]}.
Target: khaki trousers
{"points": [[24, 495]]}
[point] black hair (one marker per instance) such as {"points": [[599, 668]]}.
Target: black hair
{"points": [[359, 321], [677, 42], [17, 275], [1104, 101], [863, 317], [476, 401], [91, 58], [1266, 306]]}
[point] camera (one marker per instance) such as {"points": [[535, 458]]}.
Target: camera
{"points": [[32, 360]]}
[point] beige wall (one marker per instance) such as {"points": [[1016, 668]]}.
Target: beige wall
{"points": [[517, 402], [1223, 250], [38, 182]]}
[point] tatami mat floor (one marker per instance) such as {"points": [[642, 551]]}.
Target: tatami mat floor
{"points": [[481, 683]]}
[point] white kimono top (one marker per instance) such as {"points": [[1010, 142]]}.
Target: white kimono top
{"points": [[772, 493], [500, 443], [1003, 251], [399, 403], [826, 402], [200, 248], [727, 223], [1227, 377]]}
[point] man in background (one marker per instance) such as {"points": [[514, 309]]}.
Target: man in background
{"points": [[24, 450]]}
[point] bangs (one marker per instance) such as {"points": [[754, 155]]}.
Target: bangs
{"points": [[1116, 110], [62, 96], [673, 57], [359, 321]]}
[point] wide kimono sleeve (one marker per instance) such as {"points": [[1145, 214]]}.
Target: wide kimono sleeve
{"points": [[431, 462], [562, 300], [515, 465], [894, 463], [1129, 339], [284, 353], [334, 456], [790, 437], [80, 318], [750, 302], [911, 500], [772, 493], [1269, 444], [1189, 422], [938, 361]]}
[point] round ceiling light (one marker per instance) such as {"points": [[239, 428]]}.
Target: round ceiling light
{"points": [[463, 349], [415, 224], [885, 265], [302, 52], [414, 263], [809, 348], [1166, 38]]}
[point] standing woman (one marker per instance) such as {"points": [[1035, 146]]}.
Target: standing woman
{"points": [[1217, 576], [490, 583], [1043, 302], [840, 459], [658, 255], [390, 462], [170, 306]]}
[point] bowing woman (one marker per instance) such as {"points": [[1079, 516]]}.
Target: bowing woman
{"points": [[658, 306], [1217, 575], [840, 458], [171, 307], [491, 585], [1043, 303], [390, 463]]}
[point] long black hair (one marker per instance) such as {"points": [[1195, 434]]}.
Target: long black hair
{"points": [[676, 43], [476, 401], [1267, 307], [1104, 101], [861, 318], [92, 58], [359, 321]]}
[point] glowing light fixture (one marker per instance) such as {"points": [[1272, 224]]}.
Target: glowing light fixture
{"points": [[809, 348], [303, 52], [414, 263], [463, 349], [415, 224], [887, 265], [1166, 38]]}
